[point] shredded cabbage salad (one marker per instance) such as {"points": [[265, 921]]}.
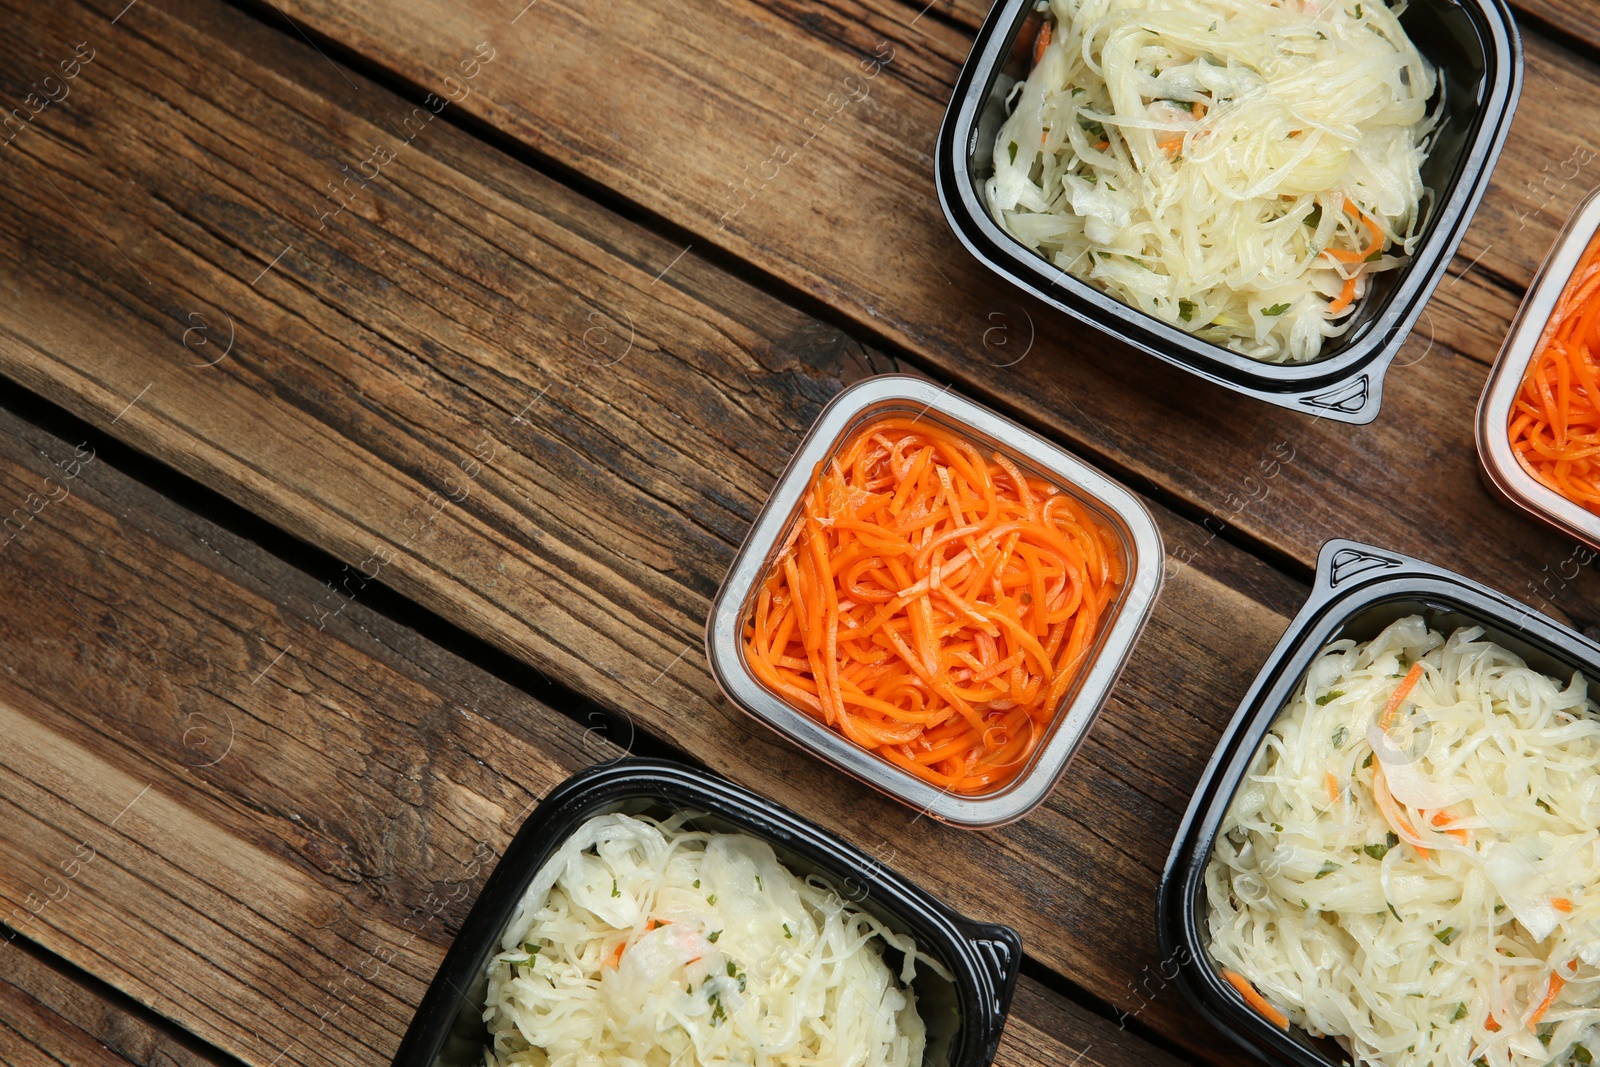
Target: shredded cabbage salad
{"points": [[1412, 864], [1239, 169], [642, 943]]}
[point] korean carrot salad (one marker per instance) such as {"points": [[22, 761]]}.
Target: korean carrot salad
{"points": [[1555, 419], [642, 943], [1239, 169], [934, 604], [1411, 864]]}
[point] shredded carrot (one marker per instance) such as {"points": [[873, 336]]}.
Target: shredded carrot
{"points": [[1554, 426], [1347, 296], [1556, 983], [1398, 697], [1171, 144], [1042, 42], [935, 605], [1333, 787], [1445, 824], [1198, 110], [1490, 1025], [1256, 1000], [1357, 259], [1561, 904], [1103, 145]]}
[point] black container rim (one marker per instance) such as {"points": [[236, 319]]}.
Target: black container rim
{"points": [[1345, 387], [984, 958], [1351, 577]]}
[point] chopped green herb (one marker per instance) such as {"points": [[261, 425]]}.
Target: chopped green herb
{"points": [[1396, 914], [786, 932], [733, 969], [1498, 908], [1012, 148], [1275, 309], [1339, 737], [1377, 255], [697, 883], [1378, 851], [1329, 697], [713, 935], [614, 890], [718, 1012], [712, 900], [1278, 827], [1461, 1013], [1186, 310], [1368, 761], [1359, 15], [758, 885], [1581, 1054], [1544, 1038], [1445, 936], [1314, 219], [1328, 867]]}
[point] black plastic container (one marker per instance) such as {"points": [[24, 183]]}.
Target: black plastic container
{"points": [[1359, 590], [1475, 47], [964, 1017]]}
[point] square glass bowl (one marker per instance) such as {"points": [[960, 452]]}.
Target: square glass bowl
{"points": [[1359, 590], [1472, 43], [1138, 541], [1502, 473], [964, 1014]]}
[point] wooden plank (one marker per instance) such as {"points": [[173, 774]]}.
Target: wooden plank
{"points": [[279, 848], [1574, 18], [714, 90], [50, 1016], [451, 310]]}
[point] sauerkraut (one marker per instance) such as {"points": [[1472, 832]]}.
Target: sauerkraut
{"points": [[1239, 169], [1411, 864], [642, 943]]}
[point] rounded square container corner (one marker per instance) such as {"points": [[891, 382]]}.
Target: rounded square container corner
{"points": [[1359, 589], [964, 1014], [1120, 511], [1476, 48], [1502, 473]]}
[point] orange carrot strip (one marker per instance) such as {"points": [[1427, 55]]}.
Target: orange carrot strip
{"points": [[1556, 984], [1256, 1000], [1398, 697], [1041, 42]]}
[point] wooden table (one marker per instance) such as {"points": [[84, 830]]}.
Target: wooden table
{"points": [[405, 377]]}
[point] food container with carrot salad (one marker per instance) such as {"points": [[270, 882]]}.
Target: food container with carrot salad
{"points": [[1539, 418], [935, 600]]}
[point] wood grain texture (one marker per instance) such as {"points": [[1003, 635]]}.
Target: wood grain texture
{"points": [[725, 126], [50, 1017], [273, 853], [445, 318]]}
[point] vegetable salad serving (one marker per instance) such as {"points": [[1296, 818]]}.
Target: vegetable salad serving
{"points": [[642, 943], [1412, 864], [1239, 169], [934, 604], [1555, 419]]}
